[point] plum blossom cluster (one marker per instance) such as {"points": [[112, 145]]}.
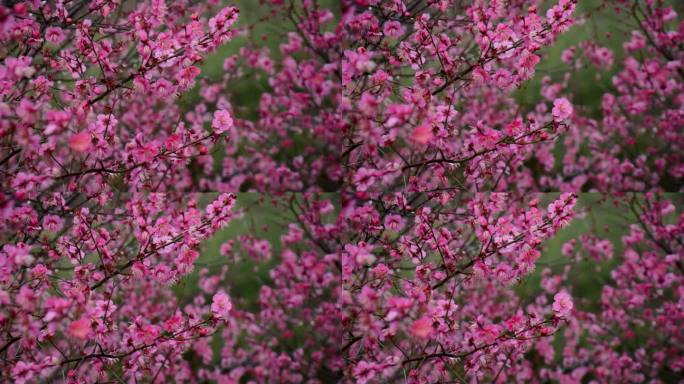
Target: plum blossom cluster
{"points": [[635, 142], [404, 170], [96, 220], [636, 335], [422, 313], [431, 107]]}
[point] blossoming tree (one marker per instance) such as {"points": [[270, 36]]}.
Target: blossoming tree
{"points": [[405, 173]]}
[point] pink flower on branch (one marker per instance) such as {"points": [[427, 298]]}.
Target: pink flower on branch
{"points": [[80, 142], [562, 304], [55, 35], [80, 328], [422, 328], [422, 134], [562, 109], [222, 122], [221, 306]]}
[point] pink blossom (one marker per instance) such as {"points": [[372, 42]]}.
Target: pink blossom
{"points": [[394, 222], [221, 305], [80, 328], [393, 28], [562, 304], [568, 55], [55, 35], [223, 20], [187, 76], [80, 142], [422, 328], [52, 223], [22, 372], [562, 109], [222, 122], [422, 134], [361, 252]]}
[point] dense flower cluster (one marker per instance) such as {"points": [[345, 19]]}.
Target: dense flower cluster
{"points": [[407, 175], [96, 219], [636, 336]]}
